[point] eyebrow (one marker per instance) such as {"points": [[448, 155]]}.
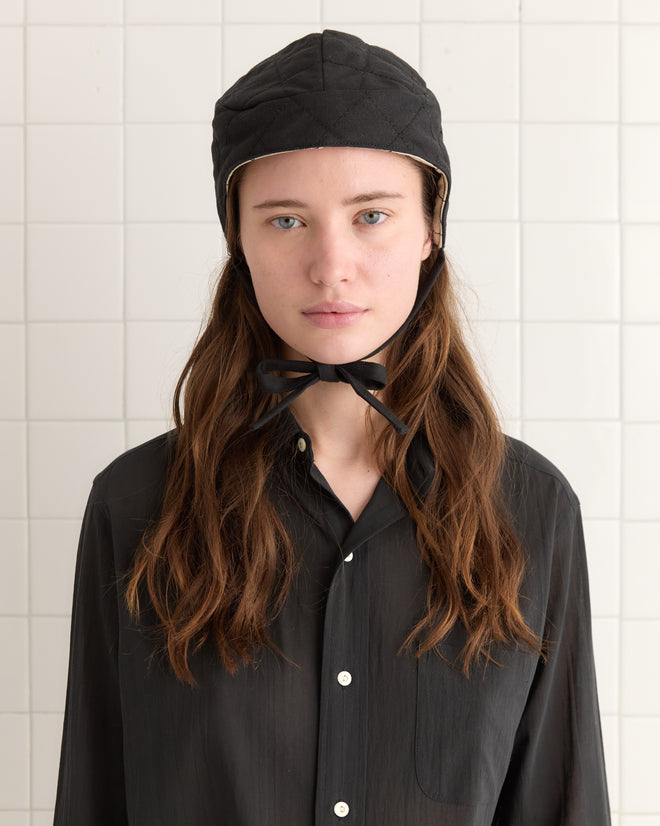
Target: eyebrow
{"points": [[363, 197]]}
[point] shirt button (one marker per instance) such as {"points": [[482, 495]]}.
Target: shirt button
{"points": [[302, 445], [341, 809], [344, 678], [349, 557]]}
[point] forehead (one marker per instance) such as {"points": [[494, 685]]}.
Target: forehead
{"points": [[331, 167]]}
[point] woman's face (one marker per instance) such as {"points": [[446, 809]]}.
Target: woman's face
{"points": [[334, 239]]}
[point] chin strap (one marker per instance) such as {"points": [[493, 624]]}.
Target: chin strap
{"points": [[362, 375]]}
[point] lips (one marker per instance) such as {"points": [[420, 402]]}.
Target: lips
{"points": [[332, 315]]}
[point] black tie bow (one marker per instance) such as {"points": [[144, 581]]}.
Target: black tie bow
{"points": [[362, 375]]}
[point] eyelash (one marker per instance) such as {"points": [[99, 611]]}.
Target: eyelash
{"points": [[362, 215]]}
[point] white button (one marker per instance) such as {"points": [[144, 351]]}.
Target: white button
{"points": [[349, 557], [302, 445], [341, 809], [344, 678]]}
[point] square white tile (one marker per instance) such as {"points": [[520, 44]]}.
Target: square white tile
{"points": [[640, 820], [472, 69], [610, 728], [569, 10], [174, 11], [640, 672], [14, 692], [53, 546], [11, 174], [169, 173], [244, 45], [471, 11], [570, 371], [589, 455], [156, 352], [570, 272], [497, 353], [75, 11], [83, 60], [640, 70], [562, 172], [49, 662], [74, 173], [11, 282], [171, 270], [11, 74], [12, 371], [640, 758], [264, 11], [12, 12], [605, 634], [602, 543], [84, 286], [14, 566], [640, 11], [386, 11], [484, 159], [83, 449], [75, 371], [45, 818], [512, 427], [641, 471], [640, 570], [173, 73], [641, 373], [640, 282], [484, 258], [142, 430], [401, 38], [13, 470], [14, 761], [571, 89], [640, 173], [46, 743]]}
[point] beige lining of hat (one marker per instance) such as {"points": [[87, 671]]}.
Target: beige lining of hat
{"points": [[440, 200]]}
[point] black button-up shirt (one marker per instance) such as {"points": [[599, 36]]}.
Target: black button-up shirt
{"points": [[345, 730]]}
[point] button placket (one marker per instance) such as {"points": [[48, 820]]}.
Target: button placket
{"points": [[343, 720]]}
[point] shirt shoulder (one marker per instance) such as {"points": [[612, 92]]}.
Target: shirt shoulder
{"points": [[526, 471], [135, 473]]}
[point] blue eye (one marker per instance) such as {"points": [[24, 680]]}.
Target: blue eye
{"points": [[285, 222], [373, 217]]}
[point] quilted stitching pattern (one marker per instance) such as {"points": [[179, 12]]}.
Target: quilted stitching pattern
{"points": [[328, 89]]}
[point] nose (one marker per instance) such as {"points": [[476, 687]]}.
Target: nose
{"points": [[331, 259]]}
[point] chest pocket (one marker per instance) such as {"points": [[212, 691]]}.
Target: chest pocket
{"points": [[465, 728]]}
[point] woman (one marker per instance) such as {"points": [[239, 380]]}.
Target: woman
{"points": [[310, 603]]}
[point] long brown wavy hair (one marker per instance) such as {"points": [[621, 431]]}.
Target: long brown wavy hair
{"points": [[219, 564]]}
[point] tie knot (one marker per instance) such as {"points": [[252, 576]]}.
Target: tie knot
{"points": [[327, 372]]}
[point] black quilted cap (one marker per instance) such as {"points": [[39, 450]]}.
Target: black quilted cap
{"points": [[328, 89]]}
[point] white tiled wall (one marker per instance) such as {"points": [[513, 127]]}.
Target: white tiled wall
{"points": [[109, 246]]}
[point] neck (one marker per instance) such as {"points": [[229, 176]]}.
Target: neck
{"points": [[336, 420]]}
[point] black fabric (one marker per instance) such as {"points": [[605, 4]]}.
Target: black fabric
{"points": [[406, 742], [327, 89]]}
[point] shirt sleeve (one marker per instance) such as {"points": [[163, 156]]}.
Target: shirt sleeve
{"points": [[91, 774], [557, 772]]}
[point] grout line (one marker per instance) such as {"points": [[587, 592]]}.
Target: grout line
{"points": [[30, 784], [185, 122], [620, 778], [520, 303], [123, 225]]}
